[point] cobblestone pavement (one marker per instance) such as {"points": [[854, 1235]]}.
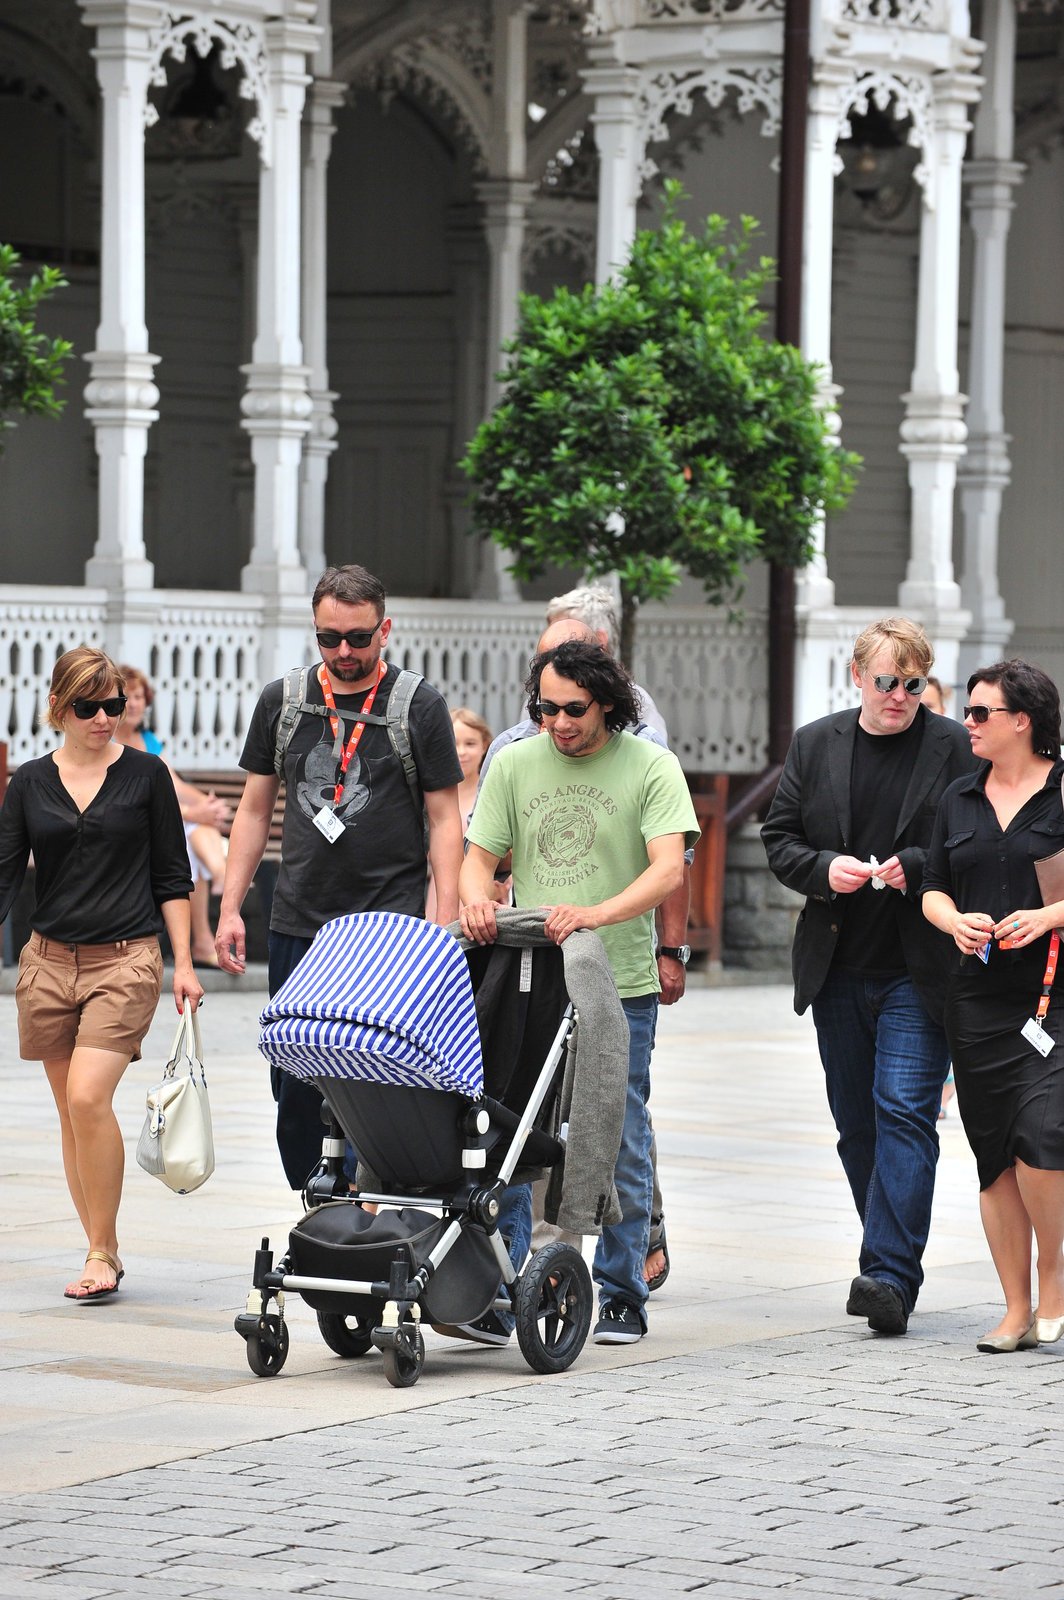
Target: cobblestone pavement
{"points": [[758, 1443], [817, 1467]]}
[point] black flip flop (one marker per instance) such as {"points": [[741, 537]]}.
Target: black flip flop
{"points": [[659, 1277]]}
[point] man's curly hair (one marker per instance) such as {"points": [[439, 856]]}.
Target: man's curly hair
{"points": [[594, 670]]}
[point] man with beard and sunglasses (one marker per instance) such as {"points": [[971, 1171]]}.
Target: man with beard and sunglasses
{"points": [[597, 821], [354, 833], [849, 828]]}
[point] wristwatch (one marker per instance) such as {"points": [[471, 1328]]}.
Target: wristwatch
{"points": [[678, 952]]}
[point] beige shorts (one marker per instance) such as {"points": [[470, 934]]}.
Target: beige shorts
{"points": [[98, 996]]}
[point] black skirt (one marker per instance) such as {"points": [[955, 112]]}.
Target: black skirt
{"points": [[1011, 1098]]}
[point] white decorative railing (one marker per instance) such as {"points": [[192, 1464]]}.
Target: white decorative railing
{"points": [[199, 648], [709, 10], [203, 662], [475, 652], [36, 626], [708, 672], [706, 669], [928, 14]]}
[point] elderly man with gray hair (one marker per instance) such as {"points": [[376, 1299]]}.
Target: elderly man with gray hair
{"points": [[596, 607]]}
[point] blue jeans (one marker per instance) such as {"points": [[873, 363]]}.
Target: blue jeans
{"points": [[622, 1249], [884, 1064], [300, 1129], [515, 1224], [299, 1125]]}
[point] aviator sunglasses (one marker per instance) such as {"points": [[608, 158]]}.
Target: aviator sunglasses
{"points": [[981, 713], [575, 708], [886, 684], [329, 639], [85, 710]]}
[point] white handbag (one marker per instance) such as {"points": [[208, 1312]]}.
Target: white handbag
{"points": [[176, 1142]]}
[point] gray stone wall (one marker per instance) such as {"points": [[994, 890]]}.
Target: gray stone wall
{"points": [[759, 913]]}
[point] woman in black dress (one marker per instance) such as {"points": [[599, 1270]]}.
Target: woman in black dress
{"points": [[980, 887], [105, 830]]}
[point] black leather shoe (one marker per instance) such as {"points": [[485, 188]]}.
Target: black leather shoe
{"points": [[880, 1302]]}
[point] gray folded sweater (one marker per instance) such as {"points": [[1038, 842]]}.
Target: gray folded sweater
{"points": [[580, 1193]]}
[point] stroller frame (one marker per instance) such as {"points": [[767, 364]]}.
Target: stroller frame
{"points": [[551, 1300]]}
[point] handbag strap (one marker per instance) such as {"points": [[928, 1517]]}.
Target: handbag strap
{"points": [[186, 1040]]}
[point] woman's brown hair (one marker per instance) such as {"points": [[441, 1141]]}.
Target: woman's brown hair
{"points": [[81, 674], [133, 675]]}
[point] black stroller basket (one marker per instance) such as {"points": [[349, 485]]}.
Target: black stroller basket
{"points": [[439, 1160]]}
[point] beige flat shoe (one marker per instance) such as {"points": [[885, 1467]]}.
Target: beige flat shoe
{"points": [[998, 1344]]}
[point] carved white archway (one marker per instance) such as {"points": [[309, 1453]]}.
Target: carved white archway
{"points": [[428, 72], [242, 45], [675, 89], [911, 98]]}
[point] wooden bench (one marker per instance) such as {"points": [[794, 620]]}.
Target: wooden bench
{"points": [[228, 785]]}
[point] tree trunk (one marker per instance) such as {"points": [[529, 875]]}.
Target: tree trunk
{"points": [[628, 615]]}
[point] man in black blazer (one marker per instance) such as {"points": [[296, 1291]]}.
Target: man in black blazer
{"points": [[849, 828]]}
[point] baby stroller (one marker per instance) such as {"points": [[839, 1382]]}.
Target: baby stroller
{"points": [[445, 1070]]}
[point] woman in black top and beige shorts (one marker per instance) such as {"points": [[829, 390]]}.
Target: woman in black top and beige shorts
{"points": [[104, 827], [1004, 1014]]}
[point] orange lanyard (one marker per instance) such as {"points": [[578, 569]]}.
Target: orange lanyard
{"points": [[334, 721], [1049, 975]]}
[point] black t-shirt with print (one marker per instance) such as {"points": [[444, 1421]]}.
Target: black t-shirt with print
{"points": [[379, 862]]}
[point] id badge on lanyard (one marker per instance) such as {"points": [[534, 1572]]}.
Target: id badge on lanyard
{"points": [[326, 821], [1032, 1029]]}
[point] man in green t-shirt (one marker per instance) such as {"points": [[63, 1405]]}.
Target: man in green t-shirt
{"points": [[597, 821]]}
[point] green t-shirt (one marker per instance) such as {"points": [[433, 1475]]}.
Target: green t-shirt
{"points": [[578, 827]]}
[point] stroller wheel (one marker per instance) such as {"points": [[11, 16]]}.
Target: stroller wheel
{"points": [[342, 1337], [553, 1308], [402, 1368], [268, 1348]]}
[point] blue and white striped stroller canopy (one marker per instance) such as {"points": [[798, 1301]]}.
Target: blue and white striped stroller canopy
{"points": [[378, 997]]}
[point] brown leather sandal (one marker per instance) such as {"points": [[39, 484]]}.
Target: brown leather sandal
{"points": [[94, 1290]]}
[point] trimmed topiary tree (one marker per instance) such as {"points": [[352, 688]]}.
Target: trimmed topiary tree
{"points": [[31, 364], [647, 426]]}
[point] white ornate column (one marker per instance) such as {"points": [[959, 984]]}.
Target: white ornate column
{"points": [[614, 92], [323, 101], [815, 590], [933, 432], [505, 196], [277, 405], [121, 395], [991, 177]]}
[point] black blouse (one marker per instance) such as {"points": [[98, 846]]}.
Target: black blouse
{"points": [[982, 868], [100, 873]]}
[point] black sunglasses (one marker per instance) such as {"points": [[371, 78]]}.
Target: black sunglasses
{"points": [[575, 708], [887, 684], [981, 713], [85, 710], [329, 639]]}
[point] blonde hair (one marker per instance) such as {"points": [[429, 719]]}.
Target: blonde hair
{"points": [[908, 643], [81, 674], [474, 720]]}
